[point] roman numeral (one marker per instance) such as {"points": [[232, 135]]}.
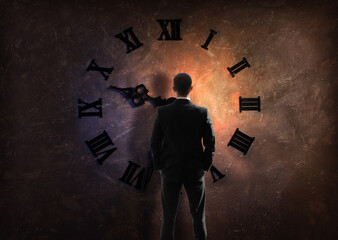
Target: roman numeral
{"points": [[214, 171], [143, 177], [175, 29], [83, 106], [238, 67], [249, 104], [98, 146], [211, 35], [131, 46], [241, 141], [94, 67]]}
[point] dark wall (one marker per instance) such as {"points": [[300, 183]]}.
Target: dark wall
{"points": [[52, 186]]}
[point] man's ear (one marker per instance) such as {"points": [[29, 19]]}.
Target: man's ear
{"points": [[174, 89], [191, 88]]}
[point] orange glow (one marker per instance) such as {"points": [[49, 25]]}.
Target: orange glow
{"points": [[211, 86]]}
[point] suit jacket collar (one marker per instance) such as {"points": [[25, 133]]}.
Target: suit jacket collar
{"points": [[182, 101]]}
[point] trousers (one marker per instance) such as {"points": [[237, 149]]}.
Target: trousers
{"points": [[191, 176]]}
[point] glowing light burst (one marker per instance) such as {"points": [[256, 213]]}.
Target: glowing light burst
{"points": [[211, 87]]}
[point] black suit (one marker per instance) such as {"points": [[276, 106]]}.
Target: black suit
{"points": [[177, 152]]}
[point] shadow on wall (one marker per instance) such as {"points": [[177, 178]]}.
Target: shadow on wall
{"points": [[139, 145]]}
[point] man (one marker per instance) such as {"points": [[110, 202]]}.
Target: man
{"points": [[178, 154]]}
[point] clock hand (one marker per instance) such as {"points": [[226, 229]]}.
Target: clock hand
{"points": [[138, 95], [158, 101]]}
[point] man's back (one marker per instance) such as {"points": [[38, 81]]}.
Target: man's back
{"points": [[178, 153], [183, 125]]}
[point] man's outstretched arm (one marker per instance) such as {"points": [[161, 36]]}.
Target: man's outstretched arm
{"points": [[208, 142], [156, 142]]}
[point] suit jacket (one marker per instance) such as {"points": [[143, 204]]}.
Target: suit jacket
{"points": [[177, 135]]}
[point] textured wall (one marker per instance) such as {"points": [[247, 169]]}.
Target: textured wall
{"points": [[51, 186]]}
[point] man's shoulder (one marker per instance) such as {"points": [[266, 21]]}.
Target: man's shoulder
{"points": [[200, 108], [171, 106]]}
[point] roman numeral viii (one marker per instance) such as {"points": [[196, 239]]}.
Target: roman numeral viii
{"points": [[211, 35], [99, 146]]}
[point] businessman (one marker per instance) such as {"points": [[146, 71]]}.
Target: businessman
{"points": [[177, 152]]}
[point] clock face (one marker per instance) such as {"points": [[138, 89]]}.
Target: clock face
{"points": [[69, 134], [143, 81]]}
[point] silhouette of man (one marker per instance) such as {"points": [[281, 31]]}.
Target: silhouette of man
{"points": [[177, 152]]}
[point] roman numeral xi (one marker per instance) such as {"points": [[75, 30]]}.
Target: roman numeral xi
{"points": [[132, 44]]}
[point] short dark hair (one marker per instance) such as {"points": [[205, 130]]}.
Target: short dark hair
{"points": [[182, 83]]}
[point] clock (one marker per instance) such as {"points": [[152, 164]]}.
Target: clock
{"points": [[101, 145]]}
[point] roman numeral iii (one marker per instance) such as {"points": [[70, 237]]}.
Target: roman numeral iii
{"points": [[249, 104]]}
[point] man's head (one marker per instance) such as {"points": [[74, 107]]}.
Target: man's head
{"points": [[182, 84]]}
